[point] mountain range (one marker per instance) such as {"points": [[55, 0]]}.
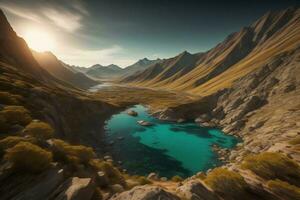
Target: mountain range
{"points": [[114, 71], [248, 86], [239, 54]]}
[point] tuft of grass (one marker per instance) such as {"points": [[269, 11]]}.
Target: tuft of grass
{"points": [[39, 130], [7, 98], [227, 184], [71, 154], [142, 180], [27, 157], [271, 165], [12, 115], [112, 173], [177, 178], [284, 189]]}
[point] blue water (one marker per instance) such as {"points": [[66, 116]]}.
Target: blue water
{"points": [[166, 148]]}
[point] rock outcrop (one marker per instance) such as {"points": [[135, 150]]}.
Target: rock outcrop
{"points": [[194, 190], [145, 193]]}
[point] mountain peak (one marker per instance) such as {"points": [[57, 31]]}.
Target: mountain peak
{"points": [[185, 53]]}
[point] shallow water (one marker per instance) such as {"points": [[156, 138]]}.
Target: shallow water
{"points": [[166, 148]]}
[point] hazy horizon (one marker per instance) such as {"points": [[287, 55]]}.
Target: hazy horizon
{"points": [[84, 33]]}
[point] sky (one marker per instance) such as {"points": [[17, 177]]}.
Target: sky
{"points": [[88, 32]]}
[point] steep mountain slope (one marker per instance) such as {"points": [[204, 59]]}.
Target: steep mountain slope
{"points": [[140, 65], [75, 115], [240, 53], [14, 51], [60, 70]]}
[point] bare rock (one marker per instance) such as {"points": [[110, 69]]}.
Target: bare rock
{"points": [[117, 188], [194, 190], [132, 113], [101, 179], [152, 176], [75, 189], [145, 192]]}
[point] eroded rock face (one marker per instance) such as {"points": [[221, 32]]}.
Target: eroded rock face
{"points": [[194, 190], [145, 192], [30, 187]]}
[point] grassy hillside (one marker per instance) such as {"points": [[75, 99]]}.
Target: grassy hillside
{"points": [[240, 53]]}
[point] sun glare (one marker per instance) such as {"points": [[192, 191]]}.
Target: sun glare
{"points": [[39, 40]]}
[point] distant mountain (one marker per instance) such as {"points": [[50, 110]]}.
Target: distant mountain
{"points": [[239, 54], [139, 66], [62, 71], [78, 68], [99, 71], [114, 71]]}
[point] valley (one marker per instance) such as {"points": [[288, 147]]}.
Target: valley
{"points": [[218, 124]]}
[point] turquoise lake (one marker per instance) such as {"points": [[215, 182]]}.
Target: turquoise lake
{"points": [[165, 148]]}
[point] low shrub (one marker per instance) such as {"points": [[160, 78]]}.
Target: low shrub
{"points": [[295, 141], [9, 142], [284, 189], [28, 157], [16, 115], [271, 165], [4, 126], [227, 184], [7, 98], [177, 178], [72, 154], [39, 130], [143, 180], [113, 174]]}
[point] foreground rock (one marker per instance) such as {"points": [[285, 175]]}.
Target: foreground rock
{"points": [[75, 189], [194, 190], [145, 192]]}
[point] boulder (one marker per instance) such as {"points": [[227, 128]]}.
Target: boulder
{"points": [[146, 192], [101, 179], [144, 123], [152, 176], [132, 113], [194, 190], [181, 120], [117, 188], [75, 189]]}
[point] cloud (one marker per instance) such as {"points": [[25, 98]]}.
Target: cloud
{"points": [[66, 15]]}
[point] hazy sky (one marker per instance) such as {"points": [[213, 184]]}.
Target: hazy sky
{"points": [[86, 32]]}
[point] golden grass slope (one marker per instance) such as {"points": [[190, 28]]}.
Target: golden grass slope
{"points": [[240, 53]]}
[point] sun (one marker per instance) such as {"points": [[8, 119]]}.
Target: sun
{"points": [[39, 40]]}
